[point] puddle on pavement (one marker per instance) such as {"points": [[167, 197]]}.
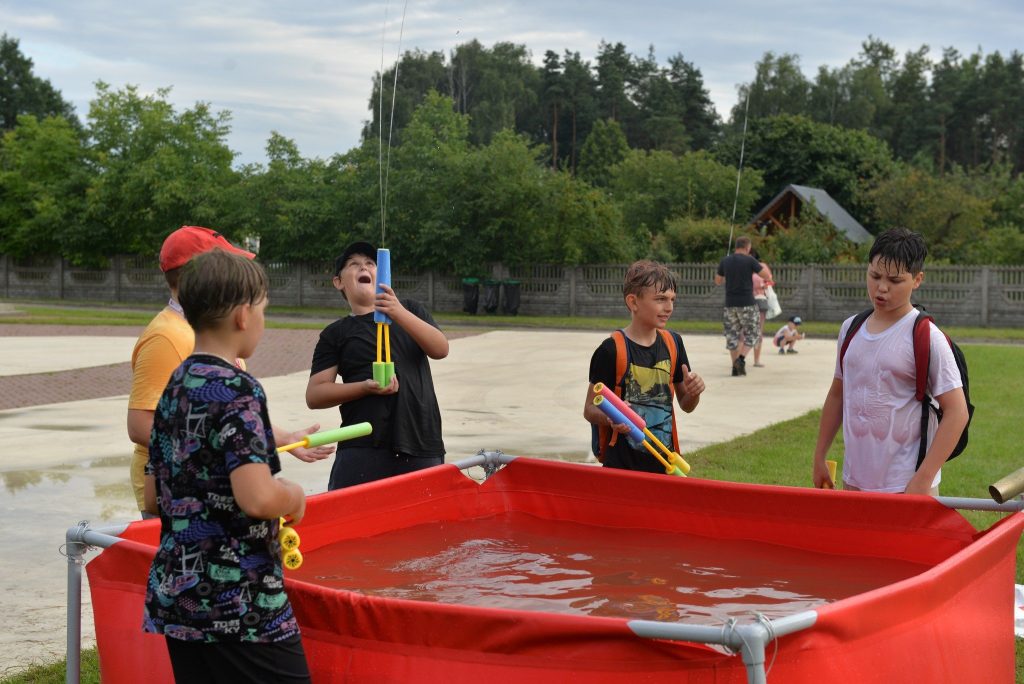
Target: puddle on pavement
{"points": [[107, 462]]}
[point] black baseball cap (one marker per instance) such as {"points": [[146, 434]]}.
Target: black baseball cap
{"points": [[796, 319], [364, 248]]}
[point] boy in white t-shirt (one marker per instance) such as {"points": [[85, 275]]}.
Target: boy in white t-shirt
{"points": [[872, 394]]}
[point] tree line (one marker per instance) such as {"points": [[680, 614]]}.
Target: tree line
{"points": [[496, 159]]}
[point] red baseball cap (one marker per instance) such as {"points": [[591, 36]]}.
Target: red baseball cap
{"points": [[188, 241]]}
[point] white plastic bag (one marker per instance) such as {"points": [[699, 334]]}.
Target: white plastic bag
{"points": [[1018, 610], [773, 302]]}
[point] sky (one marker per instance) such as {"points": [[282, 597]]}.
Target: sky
{"points": [[304, 68]]}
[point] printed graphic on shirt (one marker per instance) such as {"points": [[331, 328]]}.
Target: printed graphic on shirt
{"points": [[648, 391], [217, 573]]}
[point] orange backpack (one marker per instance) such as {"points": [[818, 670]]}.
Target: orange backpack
{"points": [[602, 436]]}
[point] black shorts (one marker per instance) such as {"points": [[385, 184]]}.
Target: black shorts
{"points": [[197, 662], [358, 465]]}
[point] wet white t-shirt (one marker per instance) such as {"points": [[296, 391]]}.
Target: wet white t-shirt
{"points": [[881, 417]]}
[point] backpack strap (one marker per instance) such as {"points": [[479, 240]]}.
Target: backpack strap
{"points": [[855, 325], [607, 437], [922, 353], [922, 358], [621, 360], [673, 355]]}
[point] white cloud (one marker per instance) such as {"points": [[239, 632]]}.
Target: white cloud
{"points": [[305, 68]]}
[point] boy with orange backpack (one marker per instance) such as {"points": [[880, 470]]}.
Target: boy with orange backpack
{"points": [[647, 366]]}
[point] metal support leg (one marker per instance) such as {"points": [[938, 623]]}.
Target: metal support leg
{"points": [[75, 550], [79, 539]]}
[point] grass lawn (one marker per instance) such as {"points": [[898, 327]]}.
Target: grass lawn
{"points": [[781, 455], [136, 314]]}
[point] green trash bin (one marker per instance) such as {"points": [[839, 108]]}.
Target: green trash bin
{"points": [[510, 303], [492, 293], [470, 294]]}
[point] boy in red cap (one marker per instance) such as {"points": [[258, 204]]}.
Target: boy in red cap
{"points": [[166, 342]]}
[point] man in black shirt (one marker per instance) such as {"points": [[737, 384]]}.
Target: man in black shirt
{"points": [[740, 319], [404, 413]]}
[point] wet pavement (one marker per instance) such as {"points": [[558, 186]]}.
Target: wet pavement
{"points": [[519, 392]]}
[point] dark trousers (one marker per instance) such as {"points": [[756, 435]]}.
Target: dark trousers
{"points": [[198, 662], [358, 465]]}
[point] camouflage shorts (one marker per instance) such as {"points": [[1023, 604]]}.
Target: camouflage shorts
{"points": [[740, 323]]}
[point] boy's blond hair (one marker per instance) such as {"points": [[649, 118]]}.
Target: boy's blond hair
{"points": [[214, 283], [644, 274]]}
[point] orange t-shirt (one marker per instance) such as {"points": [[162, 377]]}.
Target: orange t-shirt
{"points": [[162, 346]]}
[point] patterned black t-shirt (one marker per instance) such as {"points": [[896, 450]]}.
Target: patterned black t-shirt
{"points": [[217, 575], [647, 389]]}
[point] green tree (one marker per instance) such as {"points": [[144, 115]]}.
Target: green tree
{"points": [[581, 101], [22, 92], [698, 112], [553, 100], [604, 148], [496, 87], [44, 174], [779, 87], [418, 73], [291, 205], [614, 72], [943, 209], [428, 188], [155, 169], [578, 224], [694, 240], [793, 149], [653, 187]]}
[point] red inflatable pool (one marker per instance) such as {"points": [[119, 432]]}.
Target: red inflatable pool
{"points": [[554, 572]]}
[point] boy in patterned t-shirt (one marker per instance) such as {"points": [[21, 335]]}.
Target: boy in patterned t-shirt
{"points": [[216, 587], [649, 290]]}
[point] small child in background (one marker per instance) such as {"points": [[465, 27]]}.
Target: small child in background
{"points": [[788, 335], [216, 585]]}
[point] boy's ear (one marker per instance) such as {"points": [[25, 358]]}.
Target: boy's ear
{"points": [[338, 284], [918, 279], [241, 316], [631, 302]]}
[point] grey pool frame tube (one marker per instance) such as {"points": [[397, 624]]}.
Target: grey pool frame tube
{"points": [[751, 639]]}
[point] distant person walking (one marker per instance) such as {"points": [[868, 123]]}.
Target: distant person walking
{"points": [[740, 318], [761, 300]]}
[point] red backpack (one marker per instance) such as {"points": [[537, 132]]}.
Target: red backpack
{"points": [[602, 436], [922, 357]]}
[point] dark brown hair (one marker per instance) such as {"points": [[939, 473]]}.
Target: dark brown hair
{"points": [[212, 284], [643, 274]]}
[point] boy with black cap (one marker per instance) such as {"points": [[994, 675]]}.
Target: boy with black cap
{"points": [[404, 413]]}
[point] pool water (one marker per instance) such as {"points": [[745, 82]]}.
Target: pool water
{"points": [[519, 561]]}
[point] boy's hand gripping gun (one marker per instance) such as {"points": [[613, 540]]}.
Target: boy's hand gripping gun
{"points": [[287, 536], [383, 367], [619, 412]]}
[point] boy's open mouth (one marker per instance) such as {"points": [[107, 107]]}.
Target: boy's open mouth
{"points": [[365, 278]]}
